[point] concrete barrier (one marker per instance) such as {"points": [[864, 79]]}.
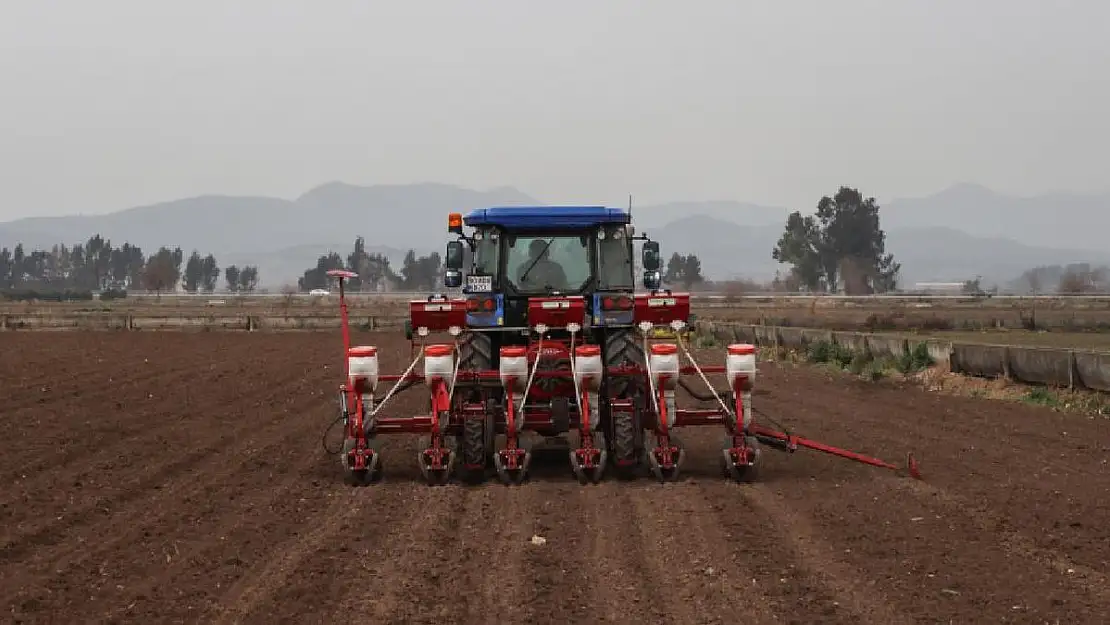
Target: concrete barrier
{"points": [[199, 322], [887, 346], [984, 361], [1032, 365], [1092, 369], [1029, 365], [73, 321]]}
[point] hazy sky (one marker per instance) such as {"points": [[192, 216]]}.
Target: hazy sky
{"points": [[108, 104]]}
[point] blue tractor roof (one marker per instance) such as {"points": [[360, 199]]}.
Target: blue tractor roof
{"points": [[546, 217]]}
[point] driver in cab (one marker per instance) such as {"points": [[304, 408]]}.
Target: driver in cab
{"points": [[539, 271]]}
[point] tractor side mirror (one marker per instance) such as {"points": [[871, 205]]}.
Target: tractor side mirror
{"points": [[652, 280], [452, 278], [454, 258], [650, 256], [453, 262]]}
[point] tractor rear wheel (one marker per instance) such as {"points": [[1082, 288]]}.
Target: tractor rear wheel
{"points": [[624, 452], [623, 350], [475, 446], [476, 351], [626, 428], [473, 452]]}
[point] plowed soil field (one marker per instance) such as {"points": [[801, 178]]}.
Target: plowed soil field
{"points": [[169, 477]]}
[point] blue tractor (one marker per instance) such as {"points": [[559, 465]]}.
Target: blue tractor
{"points": [[523, 258]]}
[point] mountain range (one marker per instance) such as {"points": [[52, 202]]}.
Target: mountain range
{"points": [[957, 234]]}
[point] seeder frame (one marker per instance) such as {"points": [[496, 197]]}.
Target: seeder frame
{"points": [[448, 415]]}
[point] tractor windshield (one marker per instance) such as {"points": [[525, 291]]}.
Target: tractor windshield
{"points": [[537, 264]]}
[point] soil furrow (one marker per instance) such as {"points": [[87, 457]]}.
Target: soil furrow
{"points": [[86, 551], [165, 482], [252, 509]]}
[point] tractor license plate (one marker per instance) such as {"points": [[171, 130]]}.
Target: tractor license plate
{"points": [[479, 284]]}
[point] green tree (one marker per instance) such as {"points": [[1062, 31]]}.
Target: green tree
{"points": [[248, 279], [420, 273], [844, 232], [374, 272], [6, 280], [317, 277], [683, 269], [231, 276], [209, 274], [801, 246], [98, 261], [163, 270], [125, 265], [194, 268], [676, 268], [691, 271]]}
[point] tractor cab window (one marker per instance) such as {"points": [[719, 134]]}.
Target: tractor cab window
{"points": [[485, 253], [614, 260], [542, 263]]}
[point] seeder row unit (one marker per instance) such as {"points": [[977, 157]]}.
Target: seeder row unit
{"points": [[555, 382]]}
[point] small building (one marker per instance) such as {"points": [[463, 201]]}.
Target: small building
{"points": [[940, 288]]}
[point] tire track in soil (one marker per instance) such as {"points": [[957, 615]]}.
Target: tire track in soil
{"points": [[315, 566], [48, 540], [405, 584], [490, 578], [626, 579], [1053, 503], [317, 575], [931, 563], [852, 587], [1094, 583], [226, 555], [963, 566], [733, 561]]}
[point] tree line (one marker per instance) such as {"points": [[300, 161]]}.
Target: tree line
{"points": [[374, 271], [76, 272], [1073, 279]]}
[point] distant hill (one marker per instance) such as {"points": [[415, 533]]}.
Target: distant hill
{"points": [[729, 250], [1056, 220], [263, 230], [961, 232], [655, 216]]}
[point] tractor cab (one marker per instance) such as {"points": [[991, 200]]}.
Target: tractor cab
{"points": [[519, 254]]}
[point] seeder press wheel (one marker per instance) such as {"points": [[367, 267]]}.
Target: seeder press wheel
{"points": [[365, 476], [748, 473], [588, 463], [677, 457]]}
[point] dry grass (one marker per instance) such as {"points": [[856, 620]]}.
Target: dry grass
{"points": [[1078, 401]]}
